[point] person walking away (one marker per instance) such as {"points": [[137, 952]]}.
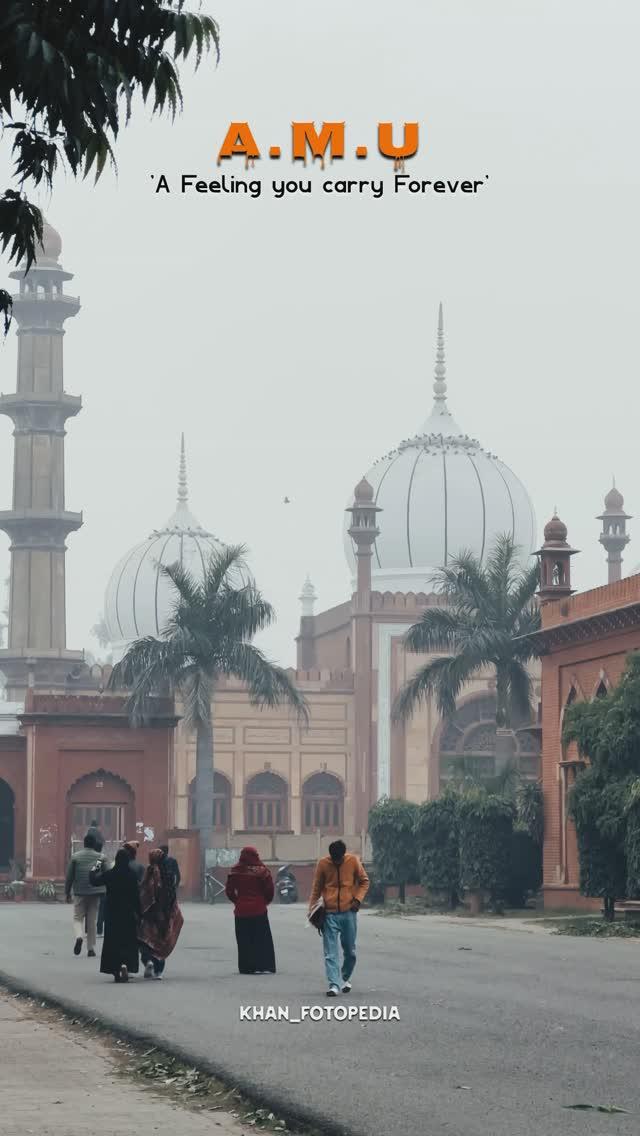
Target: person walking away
{"points": [[172, 864], [131, 848], [99, 845], [122, 914], [162, 920], [86, 899], [341, 882], [250, 887], [94, 831]]}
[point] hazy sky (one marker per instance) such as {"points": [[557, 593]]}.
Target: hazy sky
{"points": [[293, 340]]}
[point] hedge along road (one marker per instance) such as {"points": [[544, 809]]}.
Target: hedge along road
{"points": [[499, 1029]]}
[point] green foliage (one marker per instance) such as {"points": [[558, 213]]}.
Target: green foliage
{"points": [[524, 868], [69, 72], [391, 828], [603, 802], [530, 809], [597, 808], [607, 730], [375, 895], [486, 827], [46, 889], [490, 614], [208, 636], [596, 928], [437, 837], [632, 840]]}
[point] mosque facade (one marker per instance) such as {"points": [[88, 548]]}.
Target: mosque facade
{"points": [[277, 785]]}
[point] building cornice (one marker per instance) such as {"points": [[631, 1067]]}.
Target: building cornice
{"points": [[587, 628]]}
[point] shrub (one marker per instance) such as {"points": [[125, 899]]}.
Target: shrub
{"points": [[530, 806], [524, 868], [597, 807], [391, 828], [486, 828], [46, 889], [375, 894], [437, 838]]}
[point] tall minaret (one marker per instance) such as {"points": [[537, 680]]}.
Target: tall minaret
{"points": [[614, 536], [38, 523], [363, 531]]}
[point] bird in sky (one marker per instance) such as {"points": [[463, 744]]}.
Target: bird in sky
{"points": [[287, 501]]}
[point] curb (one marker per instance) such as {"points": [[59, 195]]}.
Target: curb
{"points": [[292, 1112]]}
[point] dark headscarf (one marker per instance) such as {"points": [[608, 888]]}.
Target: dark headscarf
{"points": [[122, 861]]}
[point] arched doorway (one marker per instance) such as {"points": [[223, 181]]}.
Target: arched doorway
{"points": [[7, 824], [105, 798], [323, 804]]}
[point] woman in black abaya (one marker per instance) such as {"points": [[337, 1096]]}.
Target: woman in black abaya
{"points": [[122, 915]]}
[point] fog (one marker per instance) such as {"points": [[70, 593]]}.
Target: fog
{"points": [[293, 339]]}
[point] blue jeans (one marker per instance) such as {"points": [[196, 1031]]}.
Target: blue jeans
{"points": [[342, 925]]}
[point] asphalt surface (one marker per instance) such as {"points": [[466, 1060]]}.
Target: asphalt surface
{"points": [[500, 1028]]}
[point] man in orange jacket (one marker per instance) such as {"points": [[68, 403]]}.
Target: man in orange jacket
{"points": [[342, 883]]}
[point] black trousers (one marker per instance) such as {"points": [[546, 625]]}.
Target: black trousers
{"points": [[146, 956]]}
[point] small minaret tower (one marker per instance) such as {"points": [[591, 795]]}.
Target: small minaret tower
{"points": [[555, 562], [38, 523], [305, 640], [363, 532], [614, 536]]}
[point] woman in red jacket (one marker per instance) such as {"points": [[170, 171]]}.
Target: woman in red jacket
{"points": [[250, 888]]}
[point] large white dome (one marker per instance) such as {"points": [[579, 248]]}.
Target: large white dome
{"points": [[440, 494], [139, 597]]}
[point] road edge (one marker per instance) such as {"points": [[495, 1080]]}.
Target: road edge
{"points": [[292, 1112]]}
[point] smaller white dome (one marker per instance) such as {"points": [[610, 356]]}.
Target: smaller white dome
{"points": [[139, 597]]}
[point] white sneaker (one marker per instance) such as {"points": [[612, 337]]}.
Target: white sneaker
{"points": [[148, 970], [333, 991], [346, 987]]}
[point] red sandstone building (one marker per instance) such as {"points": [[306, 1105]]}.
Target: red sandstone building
{"points": [[585, 640]]}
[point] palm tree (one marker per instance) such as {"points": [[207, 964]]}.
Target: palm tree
{"points": [[207, 636], [490, 612]]}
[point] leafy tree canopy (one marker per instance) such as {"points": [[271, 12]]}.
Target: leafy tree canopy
{"points": [[489, 615], [607, 730], [69, 71], [207, 637]]}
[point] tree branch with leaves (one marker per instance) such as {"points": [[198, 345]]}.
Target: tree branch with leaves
{"points": [[70, 71]]}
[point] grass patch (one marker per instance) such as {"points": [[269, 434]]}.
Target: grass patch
{"points": [[598, 928], [415, 905]]}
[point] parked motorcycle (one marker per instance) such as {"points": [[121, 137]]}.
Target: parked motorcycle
{"points": [[286, 885]]}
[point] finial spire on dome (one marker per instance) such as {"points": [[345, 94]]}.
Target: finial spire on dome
{"points": [[183, 495], [440, 420], [440, 370]]}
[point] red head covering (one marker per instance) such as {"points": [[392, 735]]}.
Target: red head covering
{"points": [[249, 861]]}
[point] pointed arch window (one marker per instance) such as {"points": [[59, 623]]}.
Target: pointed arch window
{"points": [[323, 804], [221, 802], [266, 803]]}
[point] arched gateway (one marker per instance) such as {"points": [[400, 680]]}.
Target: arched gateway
{"points": [[105, 798]]}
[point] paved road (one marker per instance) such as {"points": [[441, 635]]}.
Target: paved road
{"points": [[493, 1040]]}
